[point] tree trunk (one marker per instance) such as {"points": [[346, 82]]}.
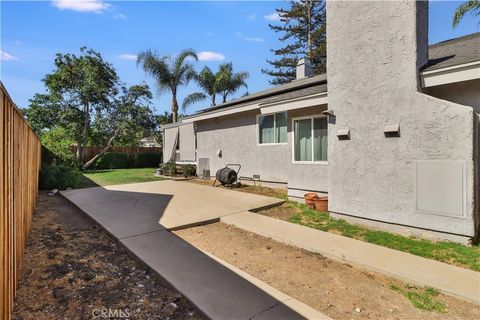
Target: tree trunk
{"points": [[84, 135], [213, 100], [105, 149], [174, 107], [79, 153], [224, 94]]}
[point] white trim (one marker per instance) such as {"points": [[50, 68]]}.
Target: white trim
{"points": [[452, 74], [313, 116], [292, 104], [265, 107], [274, 130], [221, 113]]}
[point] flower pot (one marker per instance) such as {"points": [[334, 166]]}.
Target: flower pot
{"points": [[310, 199], [321, 203]]}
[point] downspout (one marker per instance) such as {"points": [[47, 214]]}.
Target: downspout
{"points": [[476, 177]]}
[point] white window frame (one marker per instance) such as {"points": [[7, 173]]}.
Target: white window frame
{"points": [[311, 117], [274, 131]]}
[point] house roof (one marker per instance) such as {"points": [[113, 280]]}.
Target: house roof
{"points": [[454, 52], [441, 55], [294, 89]]}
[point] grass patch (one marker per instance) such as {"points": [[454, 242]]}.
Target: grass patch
{"points": [[448, 252], [118, 176], [422, 300]]}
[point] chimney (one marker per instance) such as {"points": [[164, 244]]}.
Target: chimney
{"points": [[304, 68], [372, 43]]}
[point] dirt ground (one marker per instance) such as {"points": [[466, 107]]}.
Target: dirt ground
{"points": [[339, 290], [74, 270], [264, 191]]}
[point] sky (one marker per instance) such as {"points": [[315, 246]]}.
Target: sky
{"points": [[220, 31]]}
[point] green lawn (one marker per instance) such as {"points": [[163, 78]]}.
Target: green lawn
{"points": [[421, 299], [118, 176], [448, 252]]}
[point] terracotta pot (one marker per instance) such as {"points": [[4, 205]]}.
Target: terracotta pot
{"points": [[310, 199], [321, 203]]}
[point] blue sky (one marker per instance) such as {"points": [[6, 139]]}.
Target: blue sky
{"points": [[221, 31]]}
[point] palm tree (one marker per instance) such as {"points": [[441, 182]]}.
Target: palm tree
{"points": [[472, 6], [223, 82], [229, 82], [207, 81], [169, 72]]}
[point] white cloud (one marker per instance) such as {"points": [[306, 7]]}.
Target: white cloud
{"points": [[7, 57], [95, 6], [273, 16], [210, 56], [119, 16], [128, 56], [254, 39], [247, 38]]}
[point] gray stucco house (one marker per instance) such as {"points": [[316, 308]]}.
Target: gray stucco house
{"points": [[394, 141]]}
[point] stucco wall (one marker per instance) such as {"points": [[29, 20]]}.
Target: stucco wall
{"points": [[373, 82], [236, 136], [465, 92]]}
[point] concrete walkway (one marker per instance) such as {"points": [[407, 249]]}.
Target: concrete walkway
{"points": [[174, 204], [300, 307], [132, 217], [449, 279]]}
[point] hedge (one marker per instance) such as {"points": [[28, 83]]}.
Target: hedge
{"points": [[58, 177], [112, 160], [147, 160]]}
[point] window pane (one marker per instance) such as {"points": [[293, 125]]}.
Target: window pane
{"points": [[320, 139], [303, 140], [281, 127], [266, 129]]}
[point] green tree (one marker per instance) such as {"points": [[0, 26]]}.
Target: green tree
{"points": [[224, 82], [78, 85], [169, 72], [59, 141], [471, 6], [303, 30], [125, 115], [207, 81], [229, 82]]}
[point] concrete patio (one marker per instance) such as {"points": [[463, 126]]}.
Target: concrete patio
{"points": [[173, 204]]}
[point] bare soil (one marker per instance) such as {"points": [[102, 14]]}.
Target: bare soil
{"points": [[339, 290], [282, 212], [264, 191], [72, 269]]}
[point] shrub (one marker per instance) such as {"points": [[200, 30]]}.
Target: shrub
{"points": [[59, 177], [112, 160], [188, 170], [146, 160], [168, 168], [58, 142]]}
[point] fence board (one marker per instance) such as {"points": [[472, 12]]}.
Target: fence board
{"points": [[20, 164], [90, 151]]}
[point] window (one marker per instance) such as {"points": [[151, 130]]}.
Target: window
{"points": [[272, 128], [310, 142]]}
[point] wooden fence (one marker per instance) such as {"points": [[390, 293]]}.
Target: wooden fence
{"points": [[20, 164], [90, 152]]}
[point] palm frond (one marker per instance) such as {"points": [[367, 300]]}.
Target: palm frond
{"points": [[472, 6], [193, 98], [157, 67]]}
